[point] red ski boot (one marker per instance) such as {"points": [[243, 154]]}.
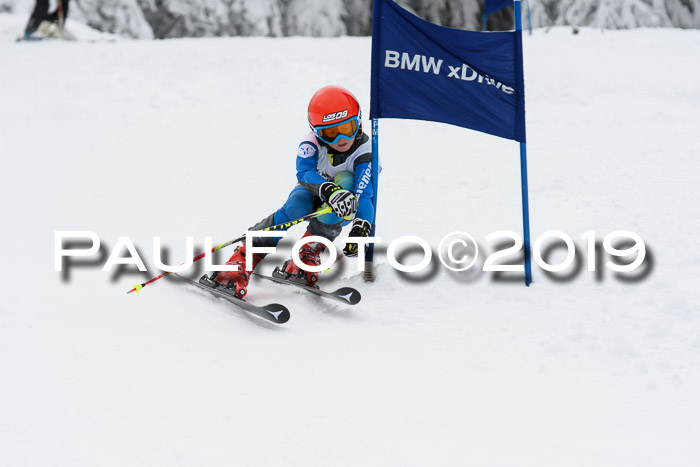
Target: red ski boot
{"points": [[310, 254], [237, 279]]}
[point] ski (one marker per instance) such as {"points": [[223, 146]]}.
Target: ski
{"points": [[55, 34], [274, 312], [347, 295], [72, 39], [29, 39]]}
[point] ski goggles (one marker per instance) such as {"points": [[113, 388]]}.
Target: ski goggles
{"points": [[331, 134]]}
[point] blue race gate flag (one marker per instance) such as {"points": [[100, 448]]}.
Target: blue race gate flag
{"points": [[491, 6], [471, 79], [423, 71]]}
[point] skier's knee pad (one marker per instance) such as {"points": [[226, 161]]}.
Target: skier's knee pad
{"points": [[329, 231]]}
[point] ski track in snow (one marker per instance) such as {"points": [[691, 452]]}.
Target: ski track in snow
{"points": [[172, 138]]}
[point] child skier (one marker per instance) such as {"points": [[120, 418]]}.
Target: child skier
{"points": [[336, 145]]}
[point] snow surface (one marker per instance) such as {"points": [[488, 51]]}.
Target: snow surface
{"points": [[172, 138]]}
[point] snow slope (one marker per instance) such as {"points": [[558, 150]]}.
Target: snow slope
{"points": [[170, 138]]}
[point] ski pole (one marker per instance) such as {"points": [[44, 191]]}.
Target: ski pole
{"points": [[285, 225], [340, 256], [61, 16]]}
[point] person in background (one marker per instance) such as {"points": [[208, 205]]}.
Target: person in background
{"points": [[44, 24]]}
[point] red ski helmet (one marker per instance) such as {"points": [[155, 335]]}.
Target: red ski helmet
{"points": [[334, 113]]}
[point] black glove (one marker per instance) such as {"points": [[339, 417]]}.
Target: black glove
{"points": [[342, 201], [360, 228]]}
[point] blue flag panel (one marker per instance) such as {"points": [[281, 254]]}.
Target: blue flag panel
{"points": [[423, 71], [491, 6]]}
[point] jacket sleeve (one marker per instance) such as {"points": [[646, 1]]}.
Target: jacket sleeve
{"points": [[365, 191], [307, 161]]}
